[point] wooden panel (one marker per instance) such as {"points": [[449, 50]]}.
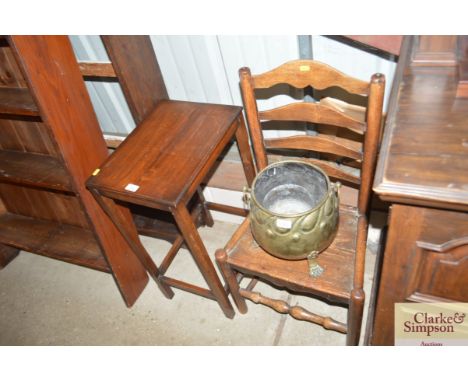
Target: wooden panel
{"points": [[314, 113], [75, 121], [34, 170], [10, 73], [327, 144], [138, 71], [440, 275], [26, 134], [302, 73], [413, 271], [435, 51], [59, 241], [35, 202], [17, 101]]}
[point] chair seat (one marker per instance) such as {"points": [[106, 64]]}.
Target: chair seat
{"points": [[337, 260]]}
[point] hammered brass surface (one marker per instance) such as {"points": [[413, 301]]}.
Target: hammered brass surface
{"points": [[295, 237]]}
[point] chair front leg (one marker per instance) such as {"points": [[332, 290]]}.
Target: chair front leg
{"points": [[231, 280], [355, 311]]}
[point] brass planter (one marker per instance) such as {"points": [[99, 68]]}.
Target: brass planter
{"points": [[294, 211]]}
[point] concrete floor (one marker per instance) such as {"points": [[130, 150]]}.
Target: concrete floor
{"points": [[48, 302]]}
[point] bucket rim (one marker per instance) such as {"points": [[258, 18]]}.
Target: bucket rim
{"points": [[316, 207]]}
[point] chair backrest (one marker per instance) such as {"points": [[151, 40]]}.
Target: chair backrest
{"points": [[304, 73]]}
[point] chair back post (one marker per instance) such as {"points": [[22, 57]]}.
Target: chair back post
{"points": [[371, 140], [251, 113]]}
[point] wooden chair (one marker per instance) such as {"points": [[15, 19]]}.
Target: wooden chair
{"points": [[343, 262]]}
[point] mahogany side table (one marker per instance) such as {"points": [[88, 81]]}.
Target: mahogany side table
{"points": [[161, 165]]}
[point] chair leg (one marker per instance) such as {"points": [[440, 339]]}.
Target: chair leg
{"points": [[355, 311], [230, 279]]}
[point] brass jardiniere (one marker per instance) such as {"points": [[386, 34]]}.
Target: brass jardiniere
{"points": [[294, 211]]}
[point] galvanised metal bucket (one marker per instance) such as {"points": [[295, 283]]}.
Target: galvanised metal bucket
{"points": [[294, 211]]}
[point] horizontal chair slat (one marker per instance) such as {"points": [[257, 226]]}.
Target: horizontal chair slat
{"points": [[325, 144], [334, 171], [353, 111], [314, 113], [302, 73]]}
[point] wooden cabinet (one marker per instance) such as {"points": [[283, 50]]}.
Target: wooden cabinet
{"points": [[50, 143], [425, 261], [423, 172]]}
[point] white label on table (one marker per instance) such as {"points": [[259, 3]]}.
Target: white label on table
{"points": [[131, 187]]}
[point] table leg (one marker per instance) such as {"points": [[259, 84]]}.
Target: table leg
{"points": [[200, 255], [245, 151], [131, 236]]}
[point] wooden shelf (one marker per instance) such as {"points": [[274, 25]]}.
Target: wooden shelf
{"points": [[47, 110], [52, 239], [36, 170], [17, 101]]}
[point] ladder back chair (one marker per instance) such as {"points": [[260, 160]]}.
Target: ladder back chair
{"points": [[343, 261]]}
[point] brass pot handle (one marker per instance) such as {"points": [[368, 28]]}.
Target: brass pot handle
{"points": [[336, 188], [246, 196]]}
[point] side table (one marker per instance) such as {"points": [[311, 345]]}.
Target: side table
{"points": [[161, 165]]}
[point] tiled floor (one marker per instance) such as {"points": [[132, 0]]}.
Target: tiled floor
{"points": [[47, 302]]}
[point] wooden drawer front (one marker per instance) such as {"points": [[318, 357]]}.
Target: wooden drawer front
{"points": [[439, 276]]}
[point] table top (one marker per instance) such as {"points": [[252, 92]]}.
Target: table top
{"points": [[424, 154], [162, 162]]}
